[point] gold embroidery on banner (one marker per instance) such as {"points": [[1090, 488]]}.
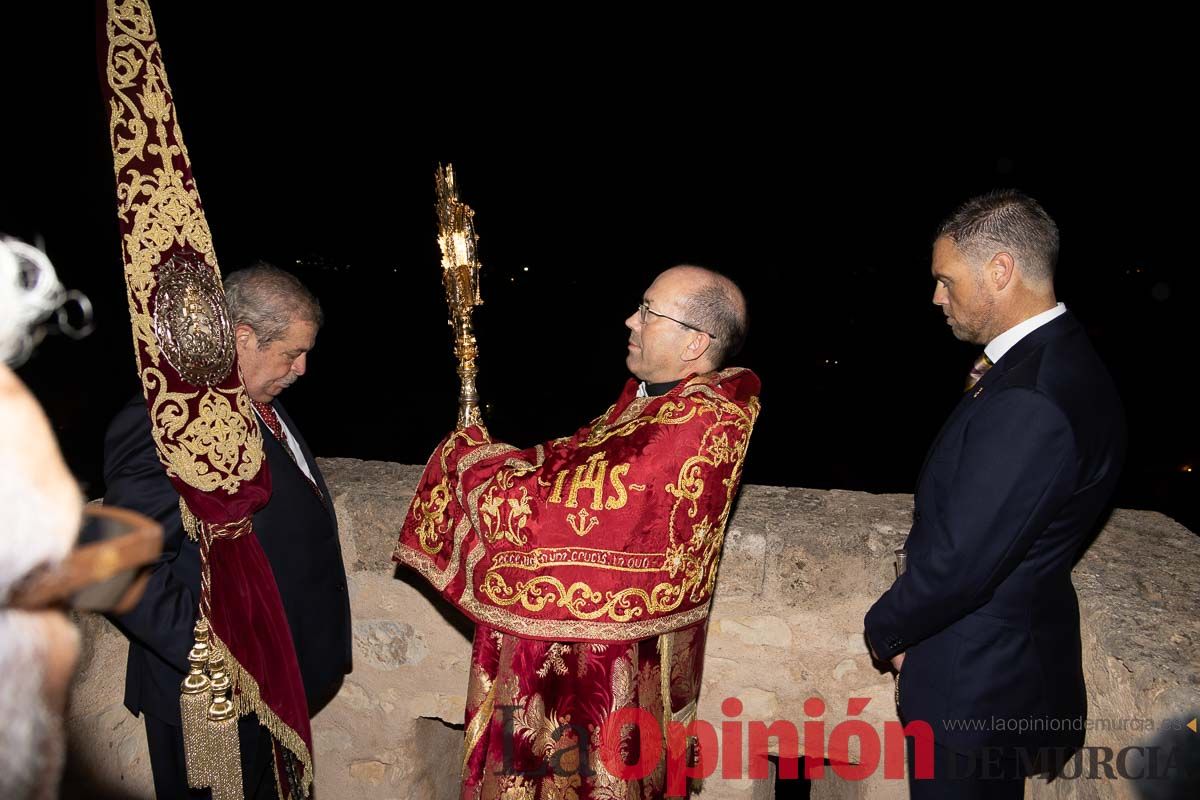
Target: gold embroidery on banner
{"points": [[216, 449], [191, 525], [161, 212], [206, 438]]}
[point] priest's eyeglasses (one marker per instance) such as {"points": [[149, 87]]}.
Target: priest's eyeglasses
{"points": [[644, 309]]}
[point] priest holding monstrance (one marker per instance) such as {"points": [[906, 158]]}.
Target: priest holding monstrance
{"points": [[588, 563]]}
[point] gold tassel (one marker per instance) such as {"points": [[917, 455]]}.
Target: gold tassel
{"points": [[224, 760], [211, 748], [191, 525], [250, 700], [193, 707]]}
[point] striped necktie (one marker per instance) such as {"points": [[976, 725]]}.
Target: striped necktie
{"points": [[982, 365]]}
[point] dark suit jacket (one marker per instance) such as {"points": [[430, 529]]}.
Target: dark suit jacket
{"points": [[298, 534], [1009, 495]]}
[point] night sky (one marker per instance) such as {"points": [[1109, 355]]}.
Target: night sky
{"points": [[591, 168]]}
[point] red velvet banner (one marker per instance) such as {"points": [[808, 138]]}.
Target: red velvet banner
{"points": [[206, 434]]}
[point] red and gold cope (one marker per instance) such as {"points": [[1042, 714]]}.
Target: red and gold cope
{"points": [[612, 534]]}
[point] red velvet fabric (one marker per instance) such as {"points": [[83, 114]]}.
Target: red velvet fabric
{"points": [[247, 614], [206, 435]]}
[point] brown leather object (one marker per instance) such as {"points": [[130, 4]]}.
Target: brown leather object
{"points": [[105, 571]]}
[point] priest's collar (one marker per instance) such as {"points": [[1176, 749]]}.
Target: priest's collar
{"points": [[656, 389]]}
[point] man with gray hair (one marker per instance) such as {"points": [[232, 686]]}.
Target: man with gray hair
{"points": [[275, 321]]}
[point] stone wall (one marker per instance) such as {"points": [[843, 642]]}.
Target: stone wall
{"points": [[800, 568]]}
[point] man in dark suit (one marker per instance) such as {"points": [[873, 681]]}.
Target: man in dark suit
{"points": [[275, 321], [983, 624]]}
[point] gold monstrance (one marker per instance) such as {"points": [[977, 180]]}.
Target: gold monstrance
{"points": [[460, 278]]}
